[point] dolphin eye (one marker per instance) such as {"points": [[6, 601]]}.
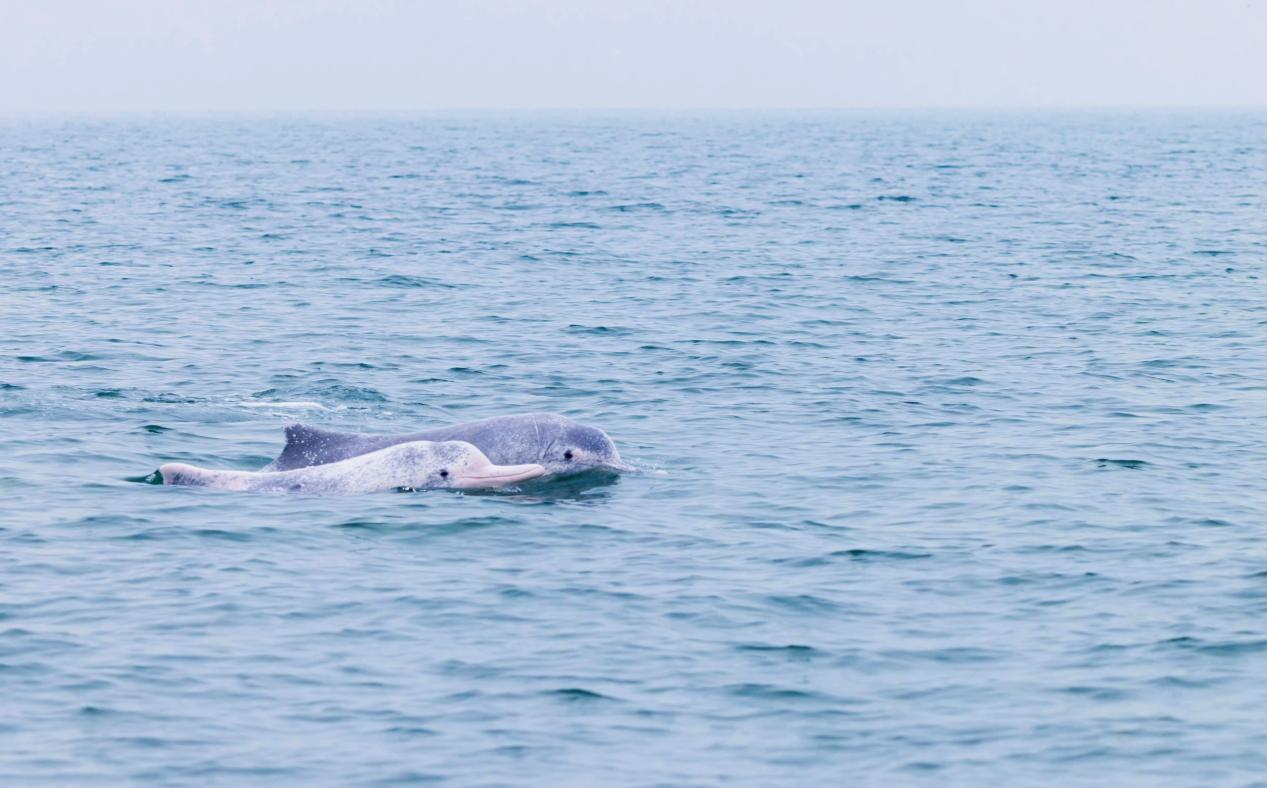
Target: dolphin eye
{"points": [[444, 473], [567, 455]]}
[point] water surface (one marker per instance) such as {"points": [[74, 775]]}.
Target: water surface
{"points": [[963, 416]]}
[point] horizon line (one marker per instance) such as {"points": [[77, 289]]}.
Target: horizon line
{"points": [[417, 111]]}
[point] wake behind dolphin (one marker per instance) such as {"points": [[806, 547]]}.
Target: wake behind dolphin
{"points": [[415, 465], [557, 443]]}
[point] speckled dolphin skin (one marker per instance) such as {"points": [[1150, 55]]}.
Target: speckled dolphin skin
{"points": [[415, 465], [557, 443]]}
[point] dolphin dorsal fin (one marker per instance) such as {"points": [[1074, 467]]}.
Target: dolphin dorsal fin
{"points": [[298, 434], [307, 445]]}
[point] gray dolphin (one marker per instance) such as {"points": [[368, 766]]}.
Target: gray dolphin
{"points": [[416, 465], [554, 442]]}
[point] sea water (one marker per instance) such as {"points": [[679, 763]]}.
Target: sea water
{"points": [[960, 418]]}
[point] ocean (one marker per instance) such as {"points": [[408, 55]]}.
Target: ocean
{"points": [[958, 417]]}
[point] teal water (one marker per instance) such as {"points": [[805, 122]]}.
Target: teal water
{"points": [[963, 418]]}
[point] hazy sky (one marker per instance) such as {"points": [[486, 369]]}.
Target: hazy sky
{"points": [[398, 55]]}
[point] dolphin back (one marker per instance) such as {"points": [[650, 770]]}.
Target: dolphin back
{"points": [[181, 474], [504, 440], [496, 437]]}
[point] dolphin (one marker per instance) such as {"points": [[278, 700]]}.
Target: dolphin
{"points": [[414, 465], [558, 444]]}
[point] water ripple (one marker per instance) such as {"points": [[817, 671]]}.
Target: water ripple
{"points": [[961, 413]]}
